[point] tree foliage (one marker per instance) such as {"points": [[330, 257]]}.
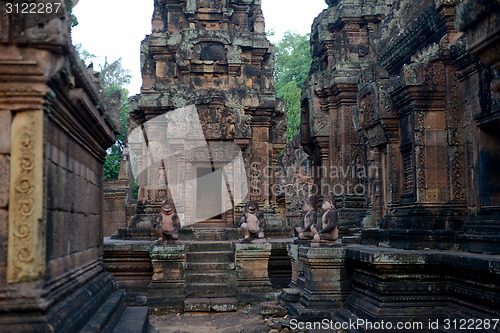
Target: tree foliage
{"points": [[293, 61], [112, 77]]}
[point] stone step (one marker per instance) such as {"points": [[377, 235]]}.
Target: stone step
{"points": [[211, 304], [210, 290], [301, 313], [210, 266], [135, 319], [210, 246], [351, 239], [107, 315], [210, 277], [345, 316], [209, 235], [213, 256], [290, 295]]}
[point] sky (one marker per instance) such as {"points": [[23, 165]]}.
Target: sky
{"points": [[115, 28]]}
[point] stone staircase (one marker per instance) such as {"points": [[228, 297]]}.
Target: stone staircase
{"points": [[210, 277], [114, 317]]}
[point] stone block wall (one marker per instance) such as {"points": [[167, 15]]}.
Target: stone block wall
{"points": [[114, 207], [55, 129], [74, 182]]}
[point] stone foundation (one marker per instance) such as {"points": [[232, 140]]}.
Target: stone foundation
{"points": [[405, 285], [320, 281], [130, 264], [252, 262], [195, 275], [168, 284]]}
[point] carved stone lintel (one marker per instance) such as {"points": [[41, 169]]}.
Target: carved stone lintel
{"points": [[26, 247]]}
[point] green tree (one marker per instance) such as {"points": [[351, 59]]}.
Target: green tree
{"points": [[69, 8], [113, 78], [293, 61]]}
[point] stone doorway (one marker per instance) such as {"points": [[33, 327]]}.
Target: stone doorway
{"points": [[489, 160], [208, 193]]}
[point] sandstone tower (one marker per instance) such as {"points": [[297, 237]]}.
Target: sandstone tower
{"points": [[213, 55]]}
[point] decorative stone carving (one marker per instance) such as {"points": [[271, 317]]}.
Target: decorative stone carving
{"points": [[252, 222], [303, 231], [167, 224], [329, 231], [26, 259], [212, 55]]}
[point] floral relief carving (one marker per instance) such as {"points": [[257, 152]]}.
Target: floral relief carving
{"points": [[26, 260]]}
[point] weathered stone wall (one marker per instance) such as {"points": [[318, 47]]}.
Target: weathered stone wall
{"points": [[54, 133], [118, 204], [294, 179], [398, 118], [74, 181]]}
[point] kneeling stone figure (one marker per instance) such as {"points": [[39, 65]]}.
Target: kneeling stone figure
{"points": [[329, 231], [303, 231]]}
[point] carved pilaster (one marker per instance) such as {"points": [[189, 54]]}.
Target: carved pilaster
{"points": [[26, 249]]}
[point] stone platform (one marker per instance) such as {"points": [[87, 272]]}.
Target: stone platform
{"points": [[196, 275], [320, 283], [394, 285]]}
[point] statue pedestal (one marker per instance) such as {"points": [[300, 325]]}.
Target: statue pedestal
{"points": [[166, 290], [297, 268], [325, 278], [252, 277], [320, 282]]}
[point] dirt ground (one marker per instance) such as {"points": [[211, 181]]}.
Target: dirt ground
{"points": [[245, 320]]}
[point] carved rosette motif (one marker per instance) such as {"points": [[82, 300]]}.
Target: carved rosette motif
{"points": [[26, 246]]}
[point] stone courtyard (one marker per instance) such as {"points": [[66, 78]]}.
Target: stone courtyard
{"points": [[396, 215]]}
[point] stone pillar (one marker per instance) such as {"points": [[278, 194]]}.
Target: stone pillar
{"points": [[252, 277], [297, 268], [327, 283], [166, 290]]}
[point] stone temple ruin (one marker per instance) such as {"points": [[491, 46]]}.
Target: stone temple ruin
{"points": [[215, 56], [399, 123]]}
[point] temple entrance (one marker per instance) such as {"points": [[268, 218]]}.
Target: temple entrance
{"points": [[489, 160], [208, 194]]}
